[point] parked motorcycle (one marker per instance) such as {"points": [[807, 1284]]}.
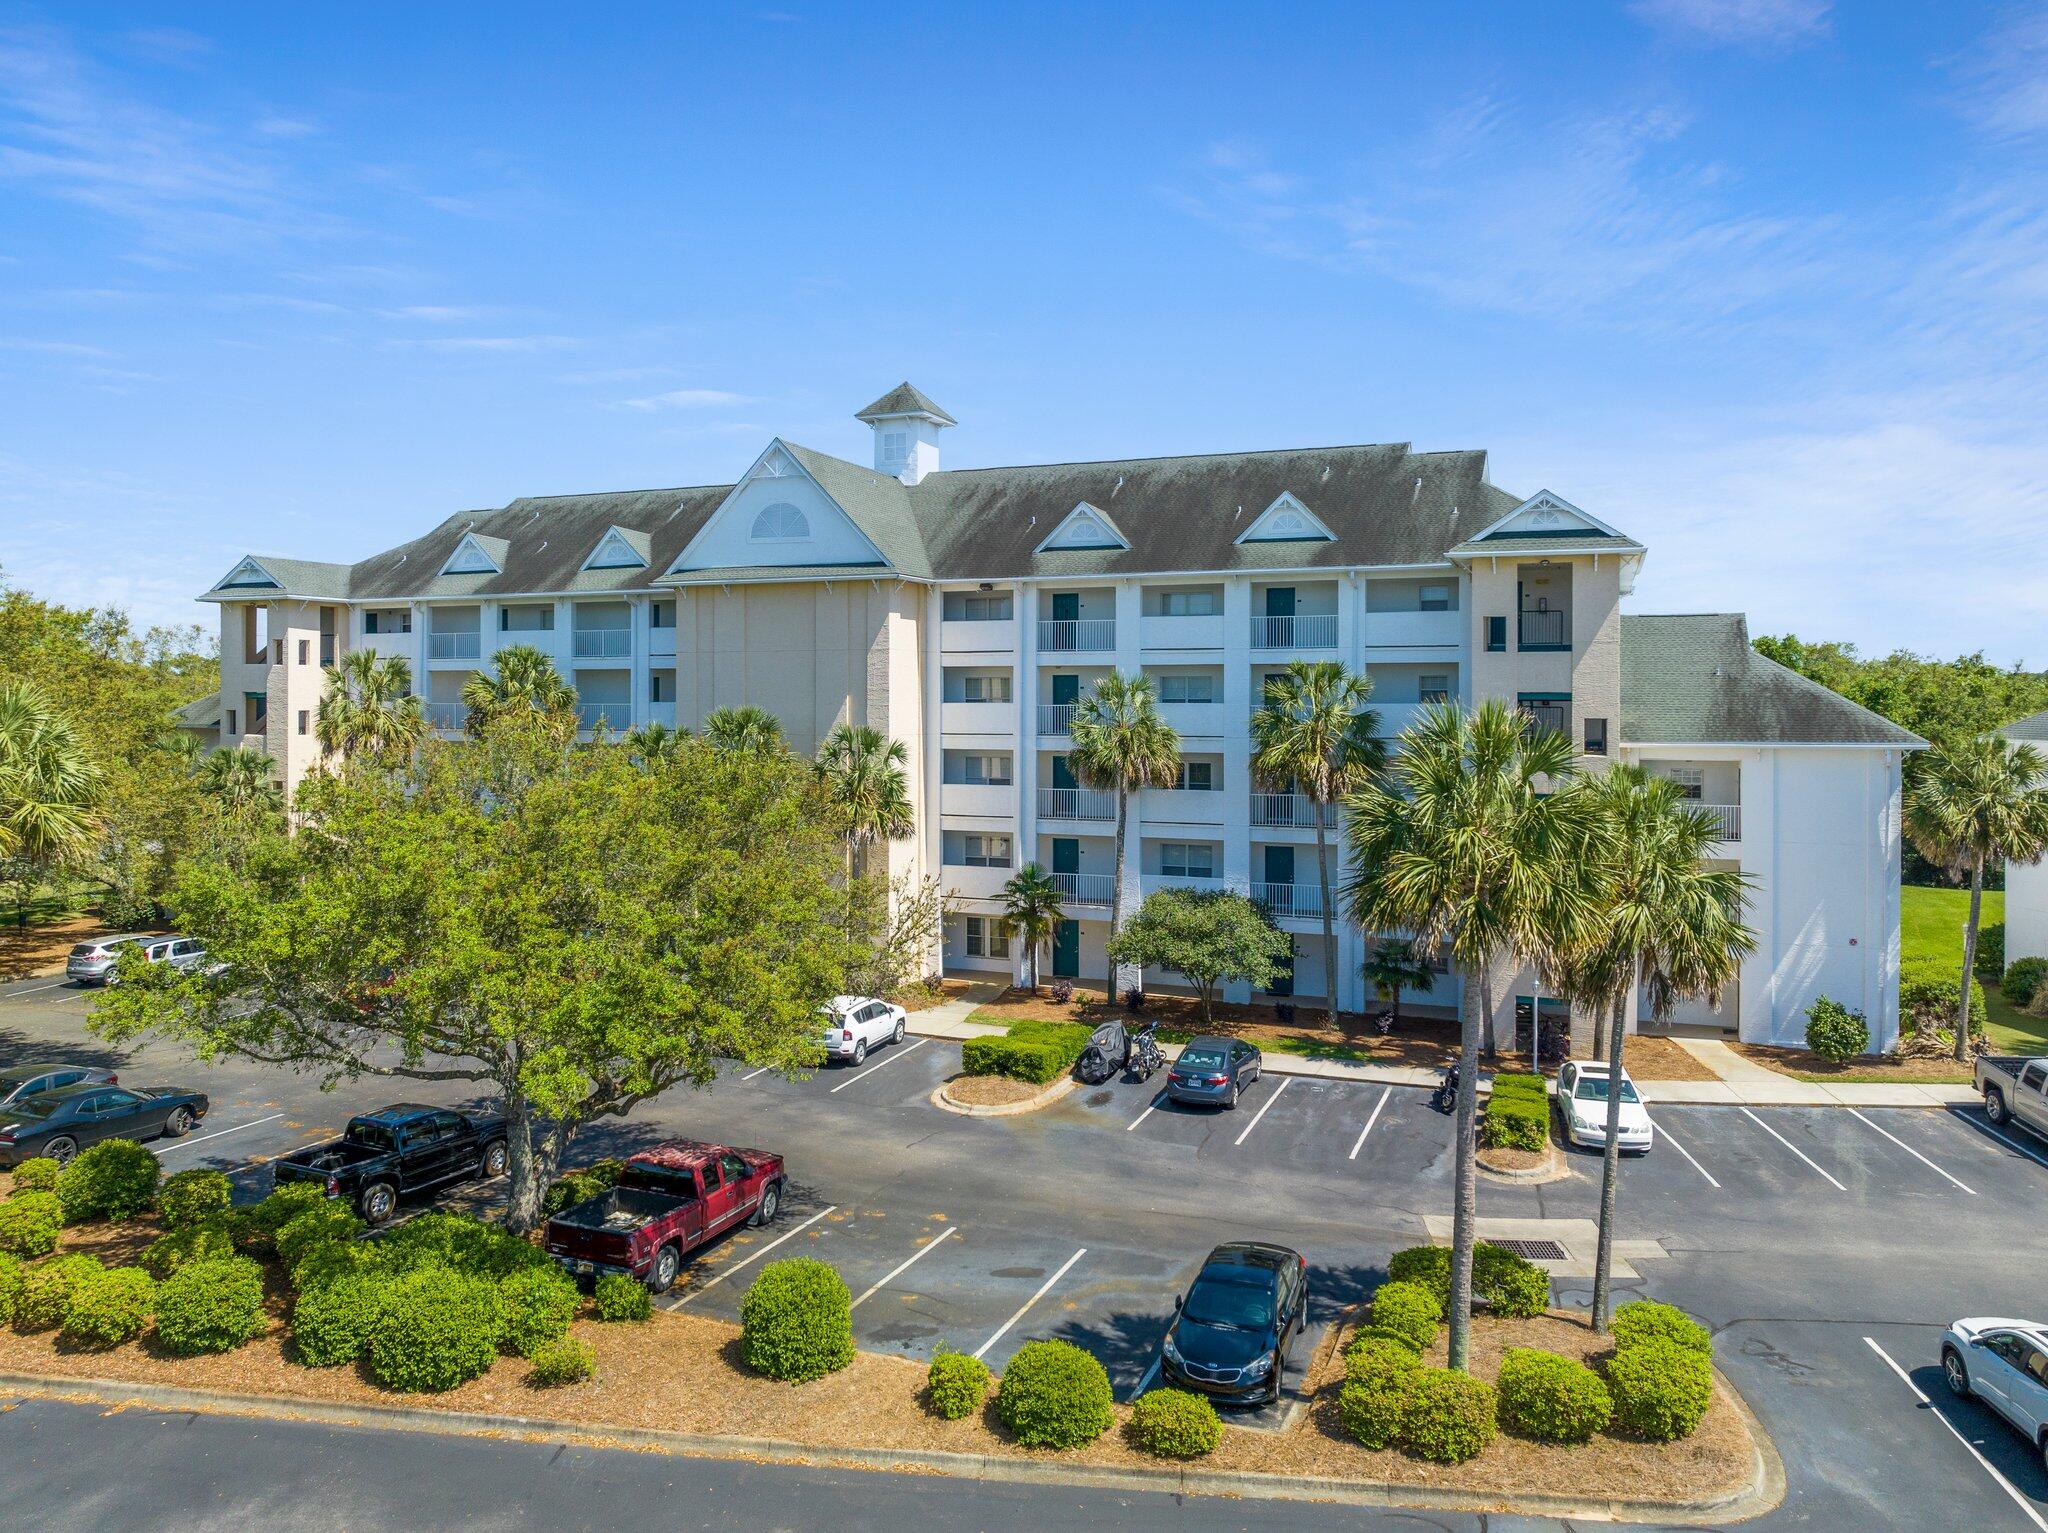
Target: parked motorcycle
{"points": [[1145, 1054], [1445, 1098]]}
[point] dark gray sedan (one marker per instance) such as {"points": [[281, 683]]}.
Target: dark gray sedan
{"points": [[60, 1123], [18, 1086], [1213, 1072]]}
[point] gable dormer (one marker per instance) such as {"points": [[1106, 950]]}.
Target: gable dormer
{"points": [[476, 555], [1084, 527], [619, 549], [1548, 515], [249, 576], [781, 514], [1287, 520]]}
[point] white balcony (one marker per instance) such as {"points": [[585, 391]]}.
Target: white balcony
{"points": [[1728, 817], [1414, 630], [1182, 806], [1288, 901], [1202, 719], [984, 800], [1054, 719], [1077, 636], [1182, 632], [978, 719], [602, 643], [663, 714], [975, 883], [1076, 804], [616, 716], [661, 641], [1305, 630], [454, 646], [1288, 811], [445, 715], [1085, 888], [978, 636]]}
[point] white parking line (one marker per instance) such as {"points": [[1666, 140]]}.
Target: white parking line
{"points": [[871, 1069], [1147, 1112], [2006, 1140], [1369, 1122], [1988, 1467], [1672, 1139], [34, 989], [1285, 1081], [1042, 1287], [1895, 1139], [1788, 1144], [726, 1272], [902, 1267], [185, 1144], [1146, 1382], [752, 1073]]}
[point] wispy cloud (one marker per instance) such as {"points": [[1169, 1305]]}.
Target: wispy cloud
{"points": [[1768, 24], [442, 313], [51, 348], [684, 399], [492, 343], [624, 374], [2005, 75]]}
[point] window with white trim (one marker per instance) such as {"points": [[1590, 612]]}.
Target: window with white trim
{"points": [[1432, 598], [1196, 777], [981, 851], [1433, 687], [977, 607], [780, 523], [1692, 781], [1197, 688], [1196, 603], [987, 770], [986, 687], [986, 938], [1187, 859]]}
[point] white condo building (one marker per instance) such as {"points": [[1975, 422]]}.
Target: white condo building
{"points": [[966, 611]]}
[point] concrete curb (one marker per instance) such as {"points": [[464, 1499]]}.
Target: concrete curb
{"points": [[1555, 1168], [1759, 1495], [1062, 1086]]}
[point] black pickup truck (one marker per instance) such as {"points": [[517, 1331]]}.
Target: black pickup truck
{"points": [[401, 1149]]}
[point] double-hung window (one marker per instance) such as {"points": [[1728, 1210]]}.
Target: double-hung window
{"points": [[1196, 777], [1197, 688], [992, 771], [986, 938], [987, 851], [1433, 687], [1433, 598], [1187, 603], [986, 687], [1187, 859]]}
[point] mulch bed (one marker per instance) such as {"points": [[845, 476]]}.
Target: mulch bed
{"points": [[1802, 1064], [41, 950], [989, 1090]]}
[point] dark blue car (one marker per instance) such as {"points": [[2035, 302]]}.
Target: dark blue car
{"points": [[1230, 1332], [1212, 1072]]}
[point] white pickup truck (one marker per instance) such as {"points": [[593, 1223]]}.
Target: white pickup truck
{"points": [[2015, 1090]]}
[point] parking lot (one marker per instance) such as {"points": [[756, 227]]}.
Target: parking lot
{"points": [[1823, 1245]]}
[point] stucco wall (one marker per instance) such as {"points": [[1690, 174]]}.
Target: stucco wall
{"points": [[2026, 910]]}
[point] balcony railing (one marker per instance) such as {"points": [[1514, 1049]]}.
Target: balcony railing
{"points": [[1304, 630], [617, 717], [1055, 718], [1085, 888], [1066, 635], [602, 643], [1076, 804], [445, 715], [1727, 818], [1546, 630], [1288, 811], [327, 649], [1290, 899], [454, 646], [1553, 718]]}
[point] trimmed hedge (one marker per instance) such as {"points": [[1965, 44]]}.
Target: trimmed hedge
{"points": [[193, 1197], [10, 1287], [211, 1306], [1054, 1395], [1517, 1114], [2022, 982], [167, 1254], [1447, 1416], [29, 1223], [573, 1187], [1377, 1373], [114, 1179], [434, 1330], [956, 1385], [1660, 1389], [796, 1322], [46, 1290], [36, 1174], [539, 1303], [619, 1297], [108, 1307], [564, 1360], [1643, 1320], [1173, 1423], [1407, 1310], [1505, 1283], [331, 1323], [1549, 1398], [317, 1226], [1037, 1052]]}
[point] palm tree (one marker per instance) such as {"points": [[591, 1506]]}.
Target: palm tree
{"points": [[50, 789], [369, 707], [1394, 965], [241, 779], [863, 773], [183, 747], [1315, 733], [525, 680], [1032, 912], [1121, 743], [1477, 840], [653, 745], [754, 731], [1976, 802], [1664, 924]]}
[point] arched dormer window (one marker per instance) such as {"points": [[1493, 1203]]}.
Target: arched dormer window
{"points": [[780, 523]]}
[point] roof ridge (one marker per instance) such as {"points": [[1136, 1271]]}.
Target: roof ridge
{"points": [[1407, 448], [665, 489]]}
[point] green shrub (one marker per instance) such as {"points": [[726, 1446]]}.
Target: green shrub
{"points": [[1991, 950], [574, 1187], [565, 1360], [114, 1179], [1409, 1310], [1516, 1115], [108, 1307], [1550, 1398], [434, 1330], [1447, 1416], [1054, 1395], [331, 1322], [796, 1322], [1660, 1389], [213, 1241], [1172, 1423], [46, 1290], [1643, 1320], [1520, 1083], [211, 1306], [460, 1244], [10, 1287], [1037, 1052], [1377, 1373], [36, 1174], [329, 1260], [29, 1223], [1505, 1283], [193, 1197], [1834, 1032], [1404, 1339], [2021, 984], [317, 1226], [259, 1223], [619, 1297], [1927, 997], [539, 1303], [956, 1385]]}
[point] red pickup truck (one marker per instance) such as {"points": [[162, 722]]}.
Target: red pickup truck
{"points": [[669, 1200]]}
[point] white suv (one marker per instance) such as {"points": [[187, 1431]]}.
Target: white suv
{"points": [[856, 1023]]}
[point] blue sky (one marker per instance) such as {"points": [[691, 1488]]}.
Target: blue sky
{"points": [[1764, 282]]}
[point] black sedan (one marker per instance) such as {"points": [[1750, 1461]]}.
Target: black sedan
{"points": [[1213, 1072], [61, 1123], [1231, 1331], [17, 1084]]}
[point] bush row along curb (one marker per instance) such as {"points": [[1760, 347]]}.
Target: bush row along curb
{"points": [[1764, 1489]]}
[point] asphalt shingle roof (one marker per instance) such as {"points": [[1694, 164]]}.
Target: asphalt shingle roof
{"points": [[1692, 678], [2034, 728], [905, 399]]}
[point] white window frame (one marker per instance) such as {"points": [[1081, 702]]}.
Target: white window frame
{"points": [[803, 524], [1183, 603], [1187, 859], [983, 680], [1433, 598], [1182, 683], [1181, 778], [976, 849]]}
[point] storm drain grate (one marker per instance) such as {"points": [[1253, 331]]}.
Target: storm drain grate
{"points": [[1532, 1250]]}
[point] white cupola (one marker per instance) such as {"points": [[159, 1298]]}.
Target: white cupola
{"points": [[906, 426]]}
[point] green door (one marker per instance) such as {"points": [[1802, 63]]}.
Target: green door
{"points": [[1279, 864], [1062, 774], [1065, 689], [1066, 607], [1283, 977], [1066, 950], [1066, 855], [1279, 601]]}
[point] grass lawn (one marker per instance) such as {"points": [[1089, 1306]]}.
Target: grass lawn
{"points": [[1931, 926]]}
